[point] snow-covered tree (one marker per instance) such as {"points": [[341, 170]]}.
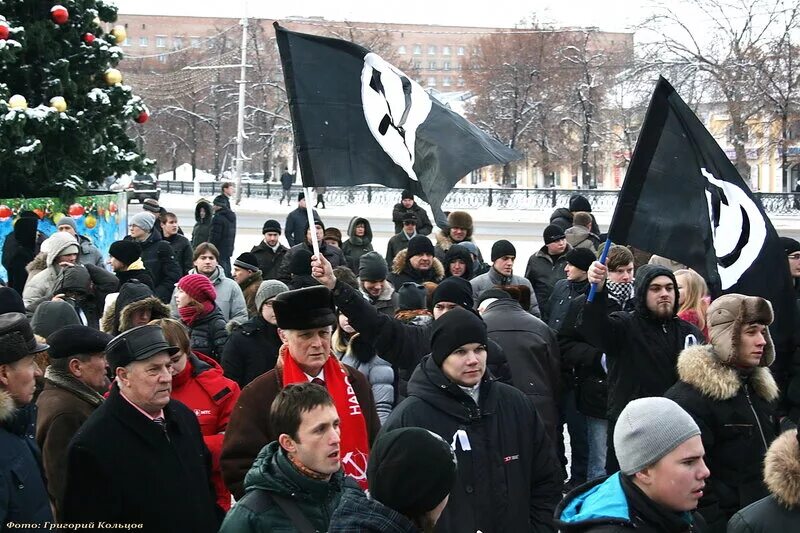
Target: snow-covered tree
{"points": [[64, 109]]}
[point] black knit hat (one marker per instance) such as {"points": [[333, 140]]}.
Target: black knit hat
{"points": [[502, 248], [125, 252], [308, 308], [790, 245], [372, 267], [301, 196], [247, 261], [76, 340], [300, 262], [581, 258], [11, 301], [420, 244], [271, 225], [409, 216], [579, 202], [455, 290], [411, 296], [454, 329], [411, 470], [407, 194], [553, 233]]}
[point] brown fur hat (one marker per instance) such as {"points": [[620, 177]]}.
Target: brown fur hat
{"points": [[726, 317]]}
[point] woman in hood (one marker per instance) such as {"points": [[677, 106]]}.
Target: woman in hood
{"points": [[59, 250], [359, 243], [202, 228], [195, 297]]}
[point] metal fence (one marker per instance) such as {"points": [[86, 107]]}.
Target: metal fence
{"points": [[463, 198]]}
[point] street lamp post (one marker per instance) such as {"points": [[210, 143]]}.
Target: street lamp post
{"points": [[593, 184]]}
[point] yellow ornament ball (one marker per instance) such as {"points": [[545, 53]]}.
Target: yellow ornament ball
{"points": [[56, 217], [90, 221], [58, 103], [113, 76], [17, 102], [119, 33]]}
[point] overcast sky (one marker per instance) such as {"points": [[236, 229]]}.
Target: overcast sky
{"points": [[609, 15]]}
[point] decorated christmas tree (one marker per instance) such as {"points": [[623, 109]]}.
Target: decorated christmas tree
{"points": [[65, 111]]}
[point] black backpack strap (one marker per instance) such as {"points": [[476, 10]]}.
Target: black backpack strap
{"points": [[259, 501]]}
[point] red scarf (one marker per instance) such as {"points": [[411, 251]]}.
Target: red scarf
{"points": [[354, 445], [190, 314]]}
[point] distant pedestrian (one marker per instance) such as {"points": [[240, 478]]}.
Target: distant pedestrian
{"points": [[223, 227], [286, 186], [201, 232], [297, 222], [320, 191]]}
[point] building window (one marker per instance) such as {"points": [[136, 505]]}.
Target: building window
{"points": [[162, 58], [143, 41], [401, 49], [446, 65], [418, 64], [460, 50], [195, 42], [459, 66], [432, 65], [446, 81], [445, 50], [177, 43], [431, 49], [417, 49], [431, 82], [161, 41]]}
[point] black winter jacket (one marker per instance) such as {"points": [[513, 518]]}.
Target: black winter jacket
{"points": [[333, 254], [23, 497], [182, 250], [202, 229], [424, 226], [142, 275], [159, 260], [543, 271], [123, 468], [508, 476], [208, 334], [735, 412], [296, 223], [268, 261], [641, 350], [531, 350], [563, 294], [223, 231], [252, 350], [354, 247]]}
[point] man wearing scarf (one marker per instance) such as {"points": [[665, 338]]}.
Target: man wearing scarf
{"points": [[304, 318], [74, 383]]}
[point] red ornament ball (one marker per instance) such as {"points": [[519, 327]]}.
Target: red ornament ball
{"points": [[88, 38], [59, 14], [5, 29], [112, 207], [76, 210], [5, 212], [142, 117]]}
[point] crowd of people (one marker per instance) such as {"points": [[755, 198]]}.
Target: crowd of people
{"points": [[173, 387]]}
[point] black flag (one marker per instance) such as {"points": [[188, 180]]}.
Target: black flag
{"points": [[358, 119], [683, 199]]}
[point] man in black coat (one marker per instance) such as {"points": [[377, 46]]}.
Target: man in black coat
{"points": [[223, 230], [140, 457], [297, 221], [181, 247], [286, 186], [408, 206], [416, 263], [547, 265], [157, 255], [19, 249], [508, 478], [642, 346], [333, 254], [270, 252]]}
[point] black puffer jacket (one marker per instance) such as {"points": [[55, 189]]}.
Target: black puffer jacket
{"points": [[641, 350], [159, 260], [735, 412], [252, 350], [543, 271], [223, 231], [508, 476], [182, 250], [208, 334], [354, 247], [202, 229], [562, 296]]}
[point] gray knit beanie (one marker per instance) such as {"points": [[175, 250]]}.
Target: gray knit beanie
{"points": [[142, 220], [269, 289], [647, 430]]}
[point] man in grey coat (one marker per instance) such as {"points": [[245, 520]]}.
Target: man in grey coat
{"points": [[502, 274]]}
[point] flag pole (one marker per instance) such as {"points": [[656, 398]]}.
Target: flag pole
{"points": [[602, 260], [311, 226]]}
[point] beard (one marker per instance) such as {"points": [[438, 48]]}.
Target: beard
{"points": [[664, 310]]}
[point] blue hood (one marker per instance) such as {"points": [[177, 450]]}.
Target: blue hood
{"points": [[604, 501]]}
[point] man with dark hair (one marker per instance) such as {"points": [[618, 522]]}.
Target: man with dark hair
{"points": [[248, 276], [74, 385], [125, 259], [23, 497], [230, 298], [157, 254], [270, 252], [181, 247], [502, 273], [304, 318], [140, 457], [546, 266], [223, 227], [580, 234], [297, 222], [296, 479], [406, 207]]}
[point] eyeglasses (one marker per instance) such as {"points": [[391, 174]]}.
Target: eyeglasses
{"points": [[795, 257]]}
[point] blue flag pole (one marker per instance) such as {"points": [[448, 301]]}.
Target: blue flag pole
{"points": [[593, 289]]}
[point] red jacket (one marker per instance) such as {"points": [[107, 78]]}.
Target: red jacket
{"points": [[203, 388]]}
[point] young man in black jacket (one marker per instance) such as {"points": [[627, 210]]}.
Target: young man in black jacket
{"points": [[642, 346]]}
